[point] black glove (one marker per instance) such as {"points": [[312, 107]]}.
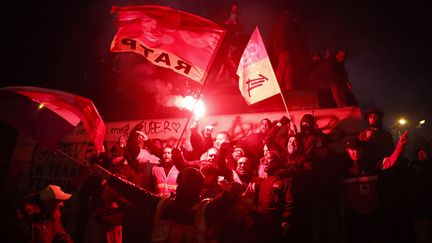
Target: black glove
{"points": [[176, 154]]}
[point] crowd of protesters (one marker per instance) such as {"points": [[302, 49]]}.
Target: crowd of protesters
{"points": [[275, 185]]}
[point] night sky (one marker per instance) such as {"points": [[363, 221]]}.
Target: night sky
{"points": [[65, 45]]}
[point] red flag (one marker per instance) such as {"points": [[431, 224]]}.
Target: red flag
{"points": [[180, 41], [51, 114], [257, 80]]}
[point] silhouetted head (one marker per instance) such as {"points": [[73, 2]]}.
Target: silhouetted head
{"points": [[354, 148], [307, 123], [189, 183], [374, 117]]}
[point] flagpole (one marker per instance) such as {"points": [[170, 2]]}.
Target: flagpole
{"points": [[204, 83], [286, 108], [249, 68], [70, 157]]}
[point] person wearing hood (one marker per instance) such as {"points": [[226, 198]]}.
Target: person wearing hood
{"points": [[379, 142], [309, 136]]}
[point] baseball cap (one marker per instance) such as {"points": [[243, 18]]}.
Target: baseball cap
{"points": [[53, 192]]}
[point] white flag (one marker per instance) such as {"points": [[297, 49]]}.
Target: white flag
{"points": [[257, 80]]}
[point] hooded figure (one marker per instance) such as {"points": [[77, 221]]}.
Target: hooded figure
{"points": [[307, 124], [379, 142], [309, 136], [374, 121]]}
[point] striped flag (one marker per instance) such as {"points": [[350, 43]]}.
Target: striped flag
{"points": [[257, 80]]}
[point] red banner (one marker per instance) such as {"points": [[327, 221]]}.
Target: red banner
{"points": [[38, 120], [170, 38]]}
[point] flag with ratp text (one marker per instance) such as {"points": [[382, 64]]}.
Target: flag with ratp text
{"points": [[169, 38]]}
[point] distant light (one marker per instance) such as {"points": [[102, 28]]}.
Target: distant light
{"points": [[402, 121], [40, 106], [422, 122]]}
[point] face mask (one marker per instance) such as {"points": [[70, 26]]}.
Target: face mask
{"points": [[306, 127], [375, 125]]}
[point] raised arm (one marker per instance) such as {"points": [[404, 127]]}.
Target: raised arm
{"points": [[180, 163], [196, 139], [271, 138], [129, 190], [398, 151]]}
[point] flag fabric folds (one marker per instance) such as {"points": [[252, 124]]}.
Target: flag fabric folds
{"points": [[169, 38], [47, 114], [257, 80]]}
